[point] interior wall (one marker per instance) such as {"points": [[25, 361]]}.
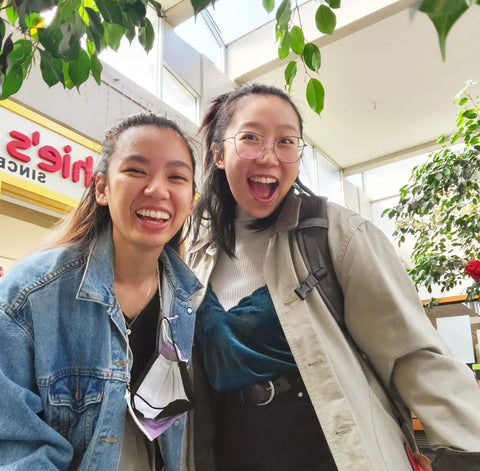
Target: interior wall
{"points": [[22, 229]]}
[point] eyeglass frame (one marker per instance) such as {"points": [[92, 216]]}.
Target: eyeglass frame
{"points": [[299, 149]]}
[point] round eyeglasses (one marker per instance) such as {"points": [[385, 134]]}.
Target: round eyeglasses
{"points": [[250, 146]]}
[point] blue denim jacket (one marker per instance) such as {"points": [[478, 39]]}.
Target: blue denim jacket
{"points": [[65, 361]]}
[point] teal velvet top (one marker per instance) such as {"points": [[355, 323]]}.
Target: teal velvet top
{"points": [[244, 345]]}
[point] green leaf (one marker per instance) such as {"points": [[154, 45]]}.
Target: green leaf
{"points": [[67, 11], [7, 48], [312, 57], [315, 95], [441, 7], [50, 39], [22, 51], [290, 73], [146, 35], [13, 81], [297, 43], [443, 23], [137, 11], [199, 5], [96, 26], [110, 11], [2, 31], [129, 26], [113, 36], [158, 8], [51, 68], [325, 20], [67, 81], [284, 47], [269, 5], [12, 15], [283, 15], [33, 20], [334, 3], [96, 68], [469, 114], [79, 69]]}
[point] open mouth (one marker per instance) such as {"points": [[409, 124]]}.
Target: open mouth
{"points": [[263, 188], [151, 216]]}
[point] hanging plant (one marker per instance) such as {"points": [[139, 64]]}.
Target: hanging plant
{"points": [[68, 47], [440, 207]]}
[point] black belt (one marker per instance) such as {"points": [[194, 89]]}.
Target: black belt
{"points": [[261, 394]]}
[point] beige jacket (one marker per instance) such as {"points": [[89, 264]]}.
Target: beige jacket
{"points": [[385, 317]]}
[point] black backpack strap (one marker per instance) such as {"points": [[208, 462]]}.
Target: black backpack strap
{"points": [[312, 239]]}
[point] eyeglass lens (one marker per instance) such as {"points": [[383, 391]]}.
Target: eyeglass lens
{"points": [[250, 145]]}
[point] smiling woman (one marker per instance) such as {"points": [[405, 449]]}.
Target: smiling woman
{"points": [[103, 286], [148, 189], [282, 387]]}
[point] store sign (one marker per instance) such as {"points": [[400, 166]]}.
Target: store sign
{"points": [[40, 155]]}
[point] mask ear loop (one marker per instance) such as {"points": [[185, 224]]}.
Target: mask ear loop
{"points": [[170, 338]]}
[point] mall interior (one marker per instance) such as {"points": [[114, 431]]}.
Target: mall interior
{"points": [[389, 95]]}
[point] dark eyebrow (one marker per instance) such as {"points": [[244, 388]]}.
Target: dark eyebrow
{"points": [[135, 158], [143, 160], [179, 163], [258, 127]]}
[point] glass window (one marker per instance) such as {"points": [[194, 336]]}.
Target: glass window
{"points": [[385, 181], [178, 96], [133, 62], [320, 175], [202, 35], [236, 19]]}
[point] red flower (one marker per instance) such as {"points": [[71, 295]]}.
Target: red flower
{"points": [[472, 268]]}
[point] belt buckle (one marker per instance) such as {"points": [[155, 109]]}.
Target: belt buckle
{"points": [[271, 388]]}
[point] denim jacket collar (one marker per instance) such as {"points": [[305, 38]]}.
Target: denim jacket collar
{"points": [[97, 281]]}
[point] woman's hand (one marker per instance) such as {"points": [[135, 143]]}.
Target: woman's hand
{"points": [[422, 461]]}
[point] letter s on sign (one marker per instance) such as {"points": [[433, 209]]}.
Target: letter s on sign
{"points": [[21, 141]]}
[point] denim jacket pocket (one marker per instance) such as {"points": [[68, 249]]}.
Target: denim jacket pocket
{"points": [[73, 408]]}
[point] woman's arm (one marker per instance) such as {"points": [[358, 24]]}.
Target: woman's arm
{"points": [[387, 320], [27, 442]]}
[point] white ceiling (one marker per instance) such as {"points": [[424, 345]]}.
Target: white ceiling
{"points": [[388, 93]]}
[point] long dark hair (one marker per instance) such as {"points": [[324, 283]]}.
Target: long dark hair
{"points": [[86, 222], [216, 205]]}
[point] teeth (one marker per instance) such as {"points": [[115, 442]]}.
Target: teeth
{"points": [[263, 179], [150, 213]]}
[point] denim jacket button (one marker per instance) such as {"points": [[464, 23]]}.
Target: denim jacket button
{"points": [[189, 310], [176, 423]]}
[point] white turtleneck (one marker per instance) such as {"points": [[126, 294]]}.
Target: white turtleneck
{"points": [[235, 278]]}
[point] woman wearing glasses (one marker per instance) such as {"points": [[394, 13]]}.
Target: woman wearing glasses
{"points": [[75, 316], [286, 389]]}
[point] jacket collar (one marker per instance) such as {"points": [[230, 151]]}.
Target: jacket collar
{"points": [[182, 280], [97, 281], [289, 214]]}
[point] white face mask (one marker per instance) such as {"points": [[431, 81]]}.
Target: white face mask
{"points": [[163, 391]]}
